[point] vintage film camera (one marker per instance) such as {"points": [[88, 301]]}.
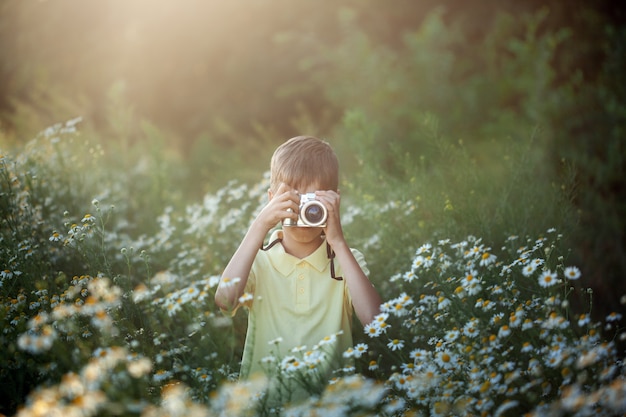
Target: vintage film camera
{"points": [[312, 213]]}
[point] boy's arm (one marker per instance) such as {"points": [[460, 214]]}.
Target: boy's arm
{"points": [[365, 298], [235, 275], [228, 292]]}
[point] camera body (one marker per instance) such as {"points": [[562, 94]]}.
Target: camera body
{"points": [[312, 213]]}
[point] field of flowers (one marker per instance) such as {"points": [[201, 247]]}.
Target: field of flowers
{"points": [[99, 320]]}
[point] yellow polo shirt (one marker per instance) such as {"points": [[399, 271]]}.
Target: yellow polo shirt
{"points": [[295, 303]]}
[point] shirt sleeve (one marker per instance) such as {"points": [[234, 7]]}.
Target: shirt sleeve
{"points": [[361, 261]]}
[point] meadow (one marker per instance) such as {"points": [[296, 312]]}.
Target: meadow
{"points": [[467, 208], [97, 321]]}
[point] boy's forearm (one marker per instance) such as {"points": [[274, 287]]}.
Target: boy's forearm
{"points": [[365, 298], [227, 294]]}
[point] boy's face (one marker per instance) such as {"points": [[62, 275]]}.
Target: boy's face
{"points": [[304, 235]]}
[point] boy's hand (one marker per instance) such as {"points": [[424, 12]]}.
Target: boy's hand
{"points": [[283, 205], [333, 230]]}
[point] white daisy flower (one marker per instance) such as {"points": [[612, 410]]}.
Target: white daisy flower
{"points": [[572, 273], [548, 279], [529, 269], [395, 344]]}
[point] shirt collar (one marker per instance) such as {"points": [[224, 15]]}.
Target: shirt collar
{"points": [[286, 263]]}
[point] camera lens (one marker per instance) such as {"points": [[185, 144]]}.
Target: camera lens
{"points": [[314, 213]]}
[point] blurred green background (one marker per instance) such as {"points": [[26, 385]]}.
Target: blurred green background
{"points": [[487, 117]]}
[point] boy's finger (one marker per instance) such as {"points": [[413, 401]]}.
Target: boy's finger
{"points": [[282, 188]]}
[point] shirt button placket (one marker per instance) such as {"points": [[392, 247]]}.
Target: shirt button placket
{"points": [[300, 284]]}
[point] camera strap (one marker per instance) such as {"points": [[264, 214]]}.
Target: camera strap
{"points": [[331, 255], [329, 252], [272, 244]]}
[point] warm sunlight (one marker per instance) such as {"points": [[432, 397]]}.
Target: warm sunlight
{"points": [[470, 263]]}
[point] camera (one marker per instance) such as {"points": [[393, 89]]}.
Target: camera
{"points": [[312, 213]]}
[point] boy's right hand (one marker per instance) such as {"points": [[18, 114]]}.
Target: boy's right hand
{"points": [[283, 204]]}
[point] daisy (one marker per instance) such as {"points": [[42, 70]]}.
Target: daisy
{"points": [[471, 284], [529, 269], [246, 298], [213, 281], [572, 273], [88, 219], [487, 259], [190, 294], [407, 368], [401, 381], [291, 364], [424, 249], [268, 360], [396, 277], [471, 328], [583, 320], [614, 317], [445, 359], [276, 341], [161, 375], [55, 237], [297, 349], [395, 344], [496, 318], [528, 324], [537, 262], [475, 250], [172, 307], [548, 279], [39, 320], [451, 335], [360, 349], [527, 347], [327, 340], [418, 262], [443, 303], [141, 293], [515, 319], [460, 292], [399, 309], [555, 358], [372, 329], [504, 332], [313, 358], [381, 318], [229, 282], [405, 298], [419, 355], [409, 276]]}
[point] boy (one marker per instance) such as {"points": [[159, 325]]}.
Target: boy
{"points": [[304, 285]]}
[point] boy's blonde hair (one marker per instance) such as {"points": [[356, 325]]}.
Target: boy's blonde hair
{"points": [[302, 161]]}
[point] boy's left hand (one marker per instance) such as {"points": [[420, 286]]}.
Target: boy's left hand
{"points": [[333, 230]]}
